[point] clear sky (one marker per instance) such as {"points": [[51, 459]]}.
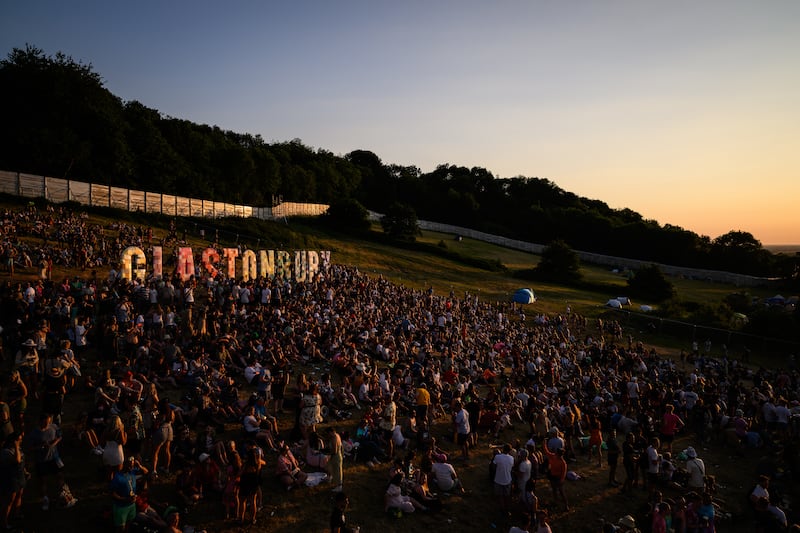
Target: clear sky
{"points": [[687, 112]]}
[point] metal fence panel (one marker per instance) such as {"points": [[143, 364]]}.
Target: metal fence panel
{"points": [[119, 198], [100, 195], [152, 202], [56, 190], [168, 204], [8, 182], [196, 207], [183, 207], [79, 192], [31, 186], [136, 201]]}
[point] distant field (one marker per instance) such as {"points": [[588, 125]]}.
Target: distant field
{"points": [[783, 248]]}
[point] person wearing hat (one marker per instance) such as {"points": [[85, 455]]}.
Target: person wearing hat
{"points": [[54, 385], [27, 363], [696, 469], [445, 475]]}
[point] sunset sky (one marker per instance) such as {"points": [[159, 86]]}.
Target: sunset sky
{"points": [[687, 112]]}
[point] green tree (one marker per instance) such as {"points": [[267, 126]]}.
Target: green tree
{"points": [[348, 214], [649, 283], [559, 263], [400, 222]]}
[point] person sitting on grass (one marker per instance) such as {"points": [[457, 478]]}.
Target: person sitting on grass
{"points": [[445, 476], [188, 485], [394, 498], [421, 491], [288, 469]]}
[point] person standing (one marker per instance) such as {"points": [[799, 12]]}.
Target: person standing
{"points": [[461, 420], [335, 462], [423, 401], [310, 414], [114, 438], [123, 493], [523, 471], [503, 479], [44, 442], [557, 474], [387, 423], [12, 477], [670, 425], [612, 457], [163, 435], [653, 464]]}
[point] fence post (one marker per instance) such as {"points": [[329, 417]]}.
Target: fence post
{"points": [[128, 206], [90, 195]]}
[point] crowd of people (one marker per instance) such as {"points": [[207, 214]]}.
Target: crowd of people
{"points": [[363, 370]]}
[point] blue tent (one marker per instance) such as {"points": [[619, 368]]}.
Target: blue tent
{"points": [[524, 296]]}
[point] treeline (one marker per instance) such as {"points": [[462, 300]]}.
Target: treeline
{"points": [[59, 120]]}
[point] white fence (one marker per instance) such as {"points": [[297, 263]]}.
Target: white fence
{"points": [[740, 280], [60, 190]]}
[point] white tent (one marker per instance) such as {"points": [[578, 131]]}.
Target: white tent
{"points": [[616, 304]]}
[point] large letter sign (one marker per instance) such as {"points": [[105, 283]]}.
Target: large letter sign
{"points": [[303, 265], [133, 261], [185, 263]]}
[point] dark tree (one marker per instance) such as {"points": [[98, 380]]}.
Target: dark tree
{"points": [[559, 263], [348, 214], [649, 283], [400, 222]]}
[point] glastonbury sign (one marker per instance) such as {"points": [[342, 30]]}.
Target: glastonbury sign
{"points": [[301, 265]]}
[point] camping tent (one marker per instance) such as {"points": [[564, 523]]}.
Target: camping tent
{"points": [[613, 302], [524, 296], [776, 300]]}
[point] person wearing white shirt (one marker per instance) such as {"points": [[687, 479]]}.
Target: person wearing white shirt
{"points": [[251, 371], [503, 479], [695, 468], [446, 478], [399, 440], [461, 420], [523, 471]]}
